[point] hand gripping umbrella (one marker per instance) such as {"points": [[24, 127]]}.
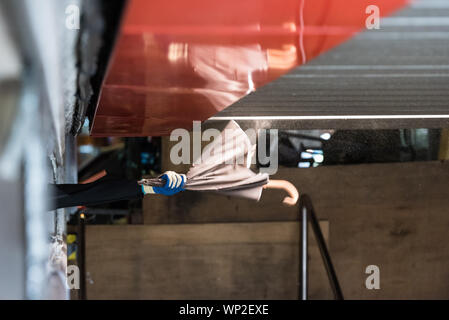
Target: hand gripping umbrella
{"points": [[224, 168]]}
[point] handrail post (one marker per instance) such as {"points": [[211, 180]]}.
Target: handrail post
{"points": [[304, 254], [307, 212], [333, 280]]}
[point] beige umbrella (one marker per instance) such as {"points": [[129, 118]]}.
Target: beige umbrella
{"points": [[224, 168]]}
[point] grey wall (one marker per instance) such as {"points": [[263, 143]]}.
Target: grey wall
{"points": [[12, 243]]}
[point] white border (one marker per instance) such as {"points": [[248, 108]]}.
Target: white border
{"points": [[335, 117]]}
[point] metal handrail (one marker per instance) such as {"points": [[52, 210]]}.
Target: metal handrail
{"points": [[307, 212]]}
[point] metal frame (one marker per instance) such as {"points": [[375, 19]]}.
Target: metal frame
{"points": [[307, 213], [81, 253]]}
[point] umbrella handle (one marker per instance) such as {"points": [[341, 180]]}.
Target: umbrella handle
{"points": [[288, 187]]}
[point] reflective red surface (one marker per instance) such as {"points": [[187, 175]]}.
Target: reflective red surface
{"points": [[177, 61]]}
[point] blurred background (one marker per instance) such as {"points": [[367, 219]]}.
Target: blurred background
{"points": [[95, 87]]}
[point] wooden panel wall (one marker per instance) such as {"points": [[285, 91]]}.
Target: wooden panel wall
{"points": [[395, 216], [201, 261], [359, 188]]}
